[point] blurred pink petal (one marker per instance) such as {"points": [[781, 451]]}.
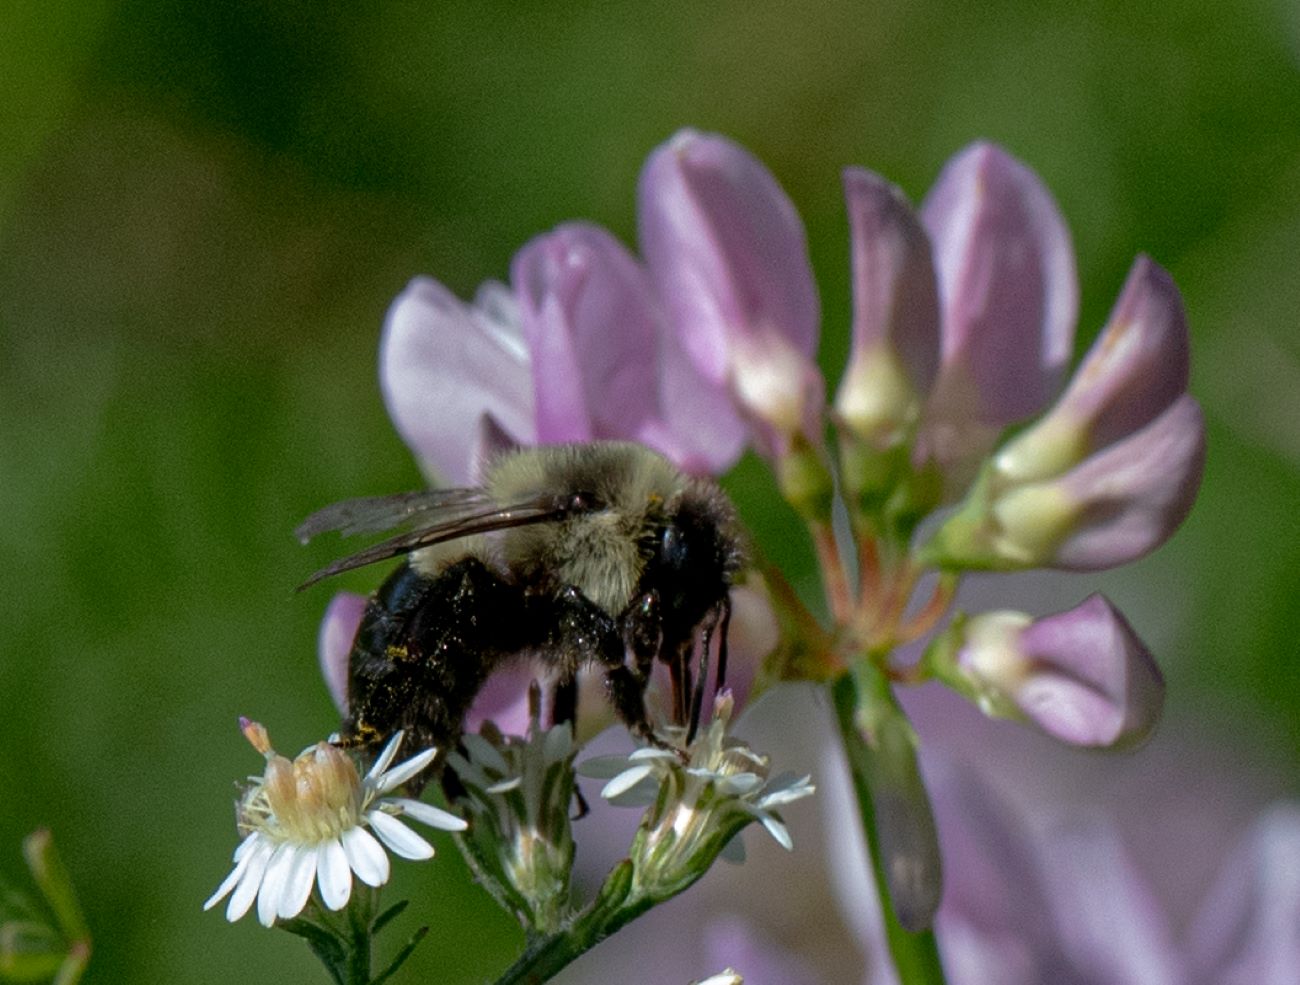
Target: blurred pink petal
{"points": [[338, 628], [1248, 929], [445, 367], [1109, 925], [503, 700], [1007, 286], [727, 251]]}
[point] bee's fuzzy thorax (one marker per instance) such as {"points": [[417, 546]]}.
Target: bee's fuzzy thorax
{"points": [[600, 553]]}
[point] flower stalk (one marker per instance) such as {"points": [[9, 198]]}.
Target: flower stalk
{"points": [[901, 838]]}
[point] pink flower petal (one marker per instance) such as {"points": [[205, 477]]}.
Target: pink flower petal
{"points": [[593, 326], [338, 629], [1135, 493], [1007, 286], [445, 366]]}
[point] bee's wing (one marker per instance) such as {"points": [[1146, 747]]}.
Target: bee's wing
{"points": [[462, 522], [373, 513]]}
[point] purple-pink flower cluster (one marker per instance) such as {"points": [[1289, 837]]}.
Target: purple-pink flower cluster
{"points": [[964, 314]]}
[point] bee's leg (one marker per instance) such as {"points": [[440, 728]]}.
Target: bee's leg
{"points": [[643, 633], [573, 631]]}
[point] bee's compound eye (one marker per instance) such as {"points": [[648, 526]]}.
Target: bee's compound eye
{"points": [[672, 548], [581, 502]]}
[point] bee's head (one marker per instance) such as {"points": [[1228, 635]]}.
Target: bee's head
{"points": [[694, 555]]}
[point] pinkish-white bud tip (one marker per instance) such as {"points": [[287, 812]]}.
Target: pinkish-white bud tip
{"points": [[895, 295], [1082, 676], [255, 733]]}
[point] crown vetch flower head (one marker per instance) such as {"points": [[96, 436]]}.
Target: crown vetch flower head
{"points": [[1082, 676], [727, 251], [309, 821]]}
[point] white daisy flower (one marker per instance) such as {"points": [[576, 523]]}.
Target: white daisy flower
{"points": [[306, 822], [723, 781]]}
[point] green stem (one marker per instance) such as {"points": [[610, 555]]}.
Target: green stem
{"points": [[358, 967], [879, 745], [546, 956]]}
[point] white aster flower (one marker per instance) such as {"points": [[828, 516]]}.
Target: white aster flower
{"points": [[518, 789], [306, 821], [722, 781]]}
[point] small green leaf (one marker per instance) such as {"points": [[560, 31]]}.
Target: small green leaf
{"points": [[401, 957]]}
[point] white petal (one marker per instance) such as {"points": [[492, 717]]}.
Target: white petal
{"points": [[626, 780], [241, 863], [434, 817], [777, 830], [297, 884], [397, 836], [273, 882], [505, 786], [400, 774], [242, 898], [385, 757], [778, 796], [334, 874], [246, 846], [366, 856]]}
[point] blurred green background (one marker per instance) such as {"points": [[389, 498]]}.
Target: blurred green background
{"points": [[206, 208]]}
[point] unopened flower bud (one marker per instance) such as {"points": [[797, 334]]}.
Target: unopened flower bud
{"points": [[895, 313], [1137, 367], [728, 253], [1116, 506], [1082, 676]]}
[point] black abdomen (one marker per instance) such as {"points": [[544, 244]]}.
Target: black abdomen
{"points": [[424, 649]]}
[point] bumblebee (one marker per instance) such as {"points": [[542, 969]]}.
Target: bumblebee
{"points": [[597, 554]]}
